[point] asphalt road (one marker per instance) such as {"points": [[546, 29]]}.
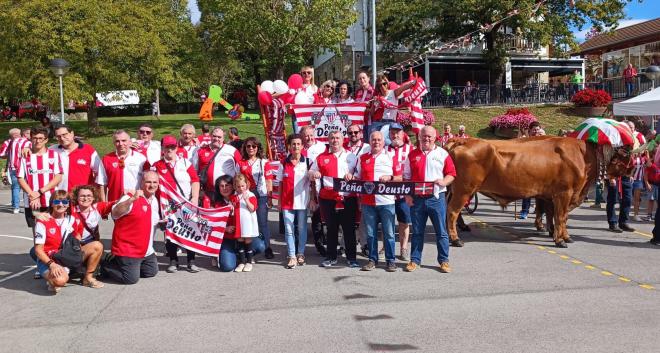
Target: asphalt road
{"points": [[510, 291]]}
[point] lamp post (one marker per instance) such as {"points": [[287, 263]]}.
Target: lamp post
{"points": [[59, 67]]}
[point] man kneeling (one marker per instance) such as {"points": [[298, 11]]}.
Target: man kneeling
{"points": [[136, 219]]}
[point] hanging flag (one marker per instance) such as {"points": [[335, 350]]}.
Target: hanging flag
{"points": [[414, 98], [329, 117], [196, 229]]}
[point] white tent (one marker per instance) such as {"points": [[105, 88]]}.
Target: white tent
{"points": [[646, 104]]}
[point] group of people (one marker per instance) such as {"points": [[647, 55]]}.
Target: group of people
{"points": [[68, 188]]}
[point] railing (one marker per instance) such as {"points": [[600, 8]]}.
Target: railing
{"points": [[461, 96], [619, 89]]}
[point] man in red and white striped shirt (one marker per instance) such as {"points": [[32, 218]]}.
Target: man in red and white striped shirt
{"points": [[215, 160], [399, 150], [121, 170], [80, 162], [11, 150], [429, 163], [336, 208], [38, 175], [378, 165], [311, 150]]}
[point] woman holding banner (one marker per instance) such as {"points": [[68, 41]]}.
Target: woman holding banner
{"points": [[260, 177], [386, 105], [180, 173], [228, 260], [326, 92]]}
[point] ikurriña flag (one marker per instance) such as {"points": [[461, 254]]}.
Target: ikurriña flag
{"points": [[195, 228]]}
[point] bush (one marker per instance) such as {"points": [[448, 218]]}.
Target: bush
{"points": [[513, 118], [591, 98], [404, 118]]}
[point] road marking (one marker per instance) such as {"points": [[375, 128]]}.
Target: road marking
{"points": [[17, 274], [575, 261], [17, 237], [644, 234]]}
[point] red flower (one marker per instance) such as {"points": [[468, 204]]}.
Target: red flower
{"points": [[591, 98]]}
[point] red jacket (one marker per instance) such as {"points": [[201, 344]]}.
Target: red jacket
{"points": [[653, 174]]}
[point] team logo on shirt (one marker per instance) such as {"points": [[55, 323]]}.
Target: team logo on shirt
{"points": [[115, 164], [418, 158], [164, 171], [369, 187], [82, 161], [51, 231], [38, 236], [144, 208], [367, 161], [326, 160], [244, 168]]}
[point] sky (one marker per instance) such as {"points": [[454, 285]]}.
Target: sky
{"points": [[635, 13]]}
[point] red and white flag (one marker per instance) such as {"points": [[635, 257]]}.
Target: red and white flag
{"points": [[195, 228], [329, 117], [414, 98]]}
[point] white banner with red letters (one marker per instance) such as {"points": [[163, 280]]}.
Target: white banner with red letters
{"points": [[196, 229], [329, 117]]}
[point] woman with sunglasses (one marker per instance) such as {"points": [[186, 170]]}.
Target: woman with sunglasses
{"points": [[386, 103], [344, 93], [307, 73], [326, 93], [49, 232], [260, 177], [228, 260]]}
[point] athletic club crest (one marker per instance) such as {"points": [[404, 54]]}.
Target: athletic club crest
{"points": [[369, 187], [326, 160], [115, 164], [144, 208], [51, 231]]}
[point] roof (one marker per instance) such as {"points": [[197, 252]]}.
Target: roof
{"points": [[626, 37]]}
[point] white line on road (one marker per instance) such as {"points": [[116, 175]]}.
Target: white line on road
{"points": [[17, 274], [16, 236]]}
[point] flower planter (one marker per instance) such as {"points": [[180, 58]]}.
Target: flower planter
{"points": [[506, 132], [590, 111]]}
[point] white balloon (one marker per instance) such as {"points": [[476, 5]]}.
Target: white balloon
{"points": [[292, 91], [268, 86], [303, 98], [280, 87]]}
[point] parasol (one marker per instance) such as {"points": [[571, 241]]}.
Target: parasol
{"points": [[604, 132]]}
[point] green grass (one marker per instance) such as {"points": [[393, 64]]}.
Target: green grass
{"points": [[475, 120]]}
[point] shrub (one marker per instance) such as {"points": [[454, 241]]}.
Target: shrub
{"points": [[591, 98]]}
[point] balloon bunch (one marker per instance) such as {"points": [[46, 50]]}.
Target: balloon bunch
{"points": [[289, 92]]}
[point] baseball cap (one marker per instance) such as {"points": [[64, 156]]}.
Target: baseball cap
{"points": [[396, 126], [168, 140]]}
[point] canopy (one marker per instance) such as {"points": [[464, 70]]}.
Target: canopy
{"points": [[643, 105]]}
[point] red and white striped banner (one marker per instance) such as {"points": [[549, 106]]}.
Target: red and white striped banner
{"points": [[329, 117], [414, 98], [196, 229]]}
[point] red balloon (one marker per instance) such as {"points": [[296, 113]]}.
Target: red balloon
{"points": [[287, 98], [265, 98], [295, 82]]}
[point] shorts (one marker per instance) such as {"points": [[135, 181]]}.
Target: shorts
{"points": [[653, 194], [29, 216], [42, 267], [402, 211], [638, 184]]}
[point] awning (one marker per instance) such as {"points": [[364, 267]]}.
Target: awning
{"points": [[643, 105]]}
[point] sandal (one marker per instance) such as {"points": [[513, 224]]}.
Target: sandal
{"points": [[55, 290], [93, 284]]}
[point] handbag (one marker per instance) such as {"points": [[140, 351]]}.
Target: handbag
{"points": [[203, 177], [70, 254]]}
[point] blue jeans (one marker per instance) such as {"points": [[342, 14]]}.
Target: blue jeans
{"points": [[423, 209], [299, 218], [227, 261], [384, 214], [262, 219], [15, 190], [629, 89], [624, 202], [526, 203]]}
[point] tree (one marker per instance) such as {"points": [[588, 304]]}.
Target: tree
{"points": [[420, 24], [110, 44], [273, 34]]}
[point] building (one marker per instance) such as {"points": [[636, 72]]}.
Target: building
{"points": [[611, 52]]}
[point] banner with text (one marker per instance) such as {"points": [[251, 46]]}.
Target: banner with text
{"points": [[383, 188], [196, 229]]}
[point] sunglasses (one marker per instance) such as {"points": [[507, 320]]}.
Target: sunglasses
{"points": [[384, 83], [145, 132], [306, 73], [251, 146], [353, 132], [62, 202]]}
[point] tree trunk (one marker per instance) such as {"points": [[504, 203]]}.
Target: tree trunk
{"points": [[279, 72], [494, 64], [157, 104], [93, 126]]}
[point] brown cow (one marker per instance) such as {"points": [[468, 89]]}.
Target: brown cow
{"points": [[557, 169]]}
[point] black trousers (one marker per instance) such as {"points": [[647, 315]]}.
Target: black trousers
{"points": [[129, 270], [171, 251], [344, 218], [317, 227]]}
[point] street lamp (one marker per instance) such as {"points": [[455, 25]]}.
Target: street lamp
{"points": [[59, 67]]}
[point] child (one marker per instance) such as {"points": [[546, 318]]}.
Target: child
{"points": [[247, 227]]}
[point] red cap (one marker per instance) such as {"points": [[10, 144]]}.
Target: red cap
{"points": [[169, 140]]}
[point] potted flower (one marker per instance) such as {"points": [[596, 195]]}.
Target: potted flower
{"points": [[512, 123], [591, 103]]}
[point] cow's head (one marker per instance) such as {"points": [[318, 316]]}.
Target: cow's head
{"points": [[621, 162]]}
